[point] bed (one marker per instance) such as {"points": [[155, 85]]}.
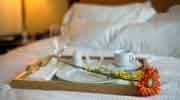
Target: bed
{"points": [[131, 35]]}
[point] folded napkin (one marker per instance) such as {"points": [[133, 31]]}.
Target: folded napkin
{"points": [[45, 72]]}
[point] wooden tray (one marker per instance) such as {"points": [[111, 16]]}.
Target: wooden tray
{"points": [[20, 83]]}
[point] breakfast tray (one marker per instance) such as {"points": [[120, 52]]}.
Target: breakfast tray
{"points": [[106, 88], [21, 83]]}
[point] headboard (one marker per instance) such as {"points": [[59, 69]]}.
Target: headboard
{"points": [[159, 5], [111, 2], [164, 5]]}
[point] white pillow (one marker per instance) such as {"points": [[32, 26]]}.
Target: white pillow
{"points": [[160, 36], [94, 25], [138, 12], [91, 34]]}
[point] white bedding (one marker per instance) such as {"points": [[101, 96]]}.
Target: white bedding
{"points": [[159, 35], [97, 23], [136, 12], [15, 61]]}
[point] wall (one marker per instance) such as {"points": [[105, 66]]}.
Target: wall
{"points": [[10, 18], [40, 14]]}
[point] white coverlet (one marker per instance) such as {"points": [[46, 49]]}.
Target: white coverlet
{"points": [[15, 61]]}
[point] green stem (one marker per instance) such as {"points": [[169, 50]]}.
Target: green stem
{"points": [[108, 75]]}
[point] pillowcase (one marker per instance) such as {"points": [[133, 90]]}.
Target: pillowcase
{"points": [[160, 36], [91, 34], [94, 26], [138, 12]]}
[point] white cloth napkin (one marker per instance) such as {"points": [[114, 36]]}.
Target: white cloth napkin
{"points": [[46, 72]]}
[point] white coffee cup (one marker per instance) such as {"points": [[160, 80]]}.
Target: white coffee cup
{"points": [[77, 58], [124, 58]]}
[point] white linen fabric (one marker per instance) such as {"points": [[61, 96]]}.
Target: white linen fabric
{"points": [[159, 36], [9, 63], [91, 34], [94, 25], [138, 12], [15, 61]]}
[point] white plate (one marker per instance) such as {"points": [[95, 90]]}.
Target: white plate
{"points": [[69, 73]]}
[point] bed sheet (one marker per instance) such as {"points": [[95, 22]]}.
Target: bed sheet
{"points": [[15, 61]]}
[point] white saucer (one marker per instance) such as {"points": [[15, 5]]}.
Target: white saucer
{"points": [[127, 67]]}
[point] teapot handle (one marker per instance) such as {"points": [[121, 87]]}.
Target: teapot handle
{"points": [[133, 59]]}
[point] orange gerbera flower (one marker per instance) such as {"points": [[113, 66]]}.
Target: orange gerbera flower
{"points": [[150, 83]]}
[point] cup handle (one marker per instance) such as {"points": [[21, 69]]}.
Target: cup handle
{"points": [[100, 60], [87, 58], [132, 58]]}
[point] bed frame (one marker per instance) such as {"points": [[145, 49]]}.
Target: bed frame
{"points": [[159, 5]]}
